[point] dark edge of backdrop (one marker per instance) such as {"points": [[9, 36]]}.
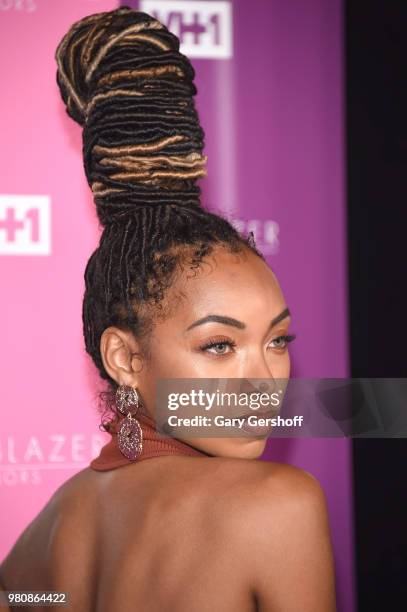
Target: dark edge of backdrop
{"points": [[376, 109]]}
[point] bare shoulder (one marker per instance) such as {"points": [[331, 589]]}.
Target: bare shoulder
{"points": [[277, 522], [251, 484], [266, 484], [245, 493], [271, 496]]}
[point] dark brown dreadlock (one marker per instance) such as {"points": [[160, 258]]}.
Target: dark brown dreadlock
{"points": [[123, 78]]}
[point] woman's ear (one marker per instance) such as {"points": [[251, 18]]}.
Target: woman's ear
{"points": [[121, 356]]}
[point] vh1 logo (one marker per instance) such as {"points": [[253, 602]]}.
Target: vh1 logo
{"points": [[25, 227], [203, 27]]}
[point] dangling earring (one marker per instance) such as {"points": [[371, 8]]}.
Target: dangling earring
{"points": [[130, 434]]}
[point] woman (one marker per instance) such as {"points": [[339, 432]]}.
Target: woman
{"points": [[172, 291]]}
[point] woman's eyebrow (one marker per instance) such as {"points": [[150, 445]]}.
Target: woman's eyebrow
{"points": [[234, 322]]}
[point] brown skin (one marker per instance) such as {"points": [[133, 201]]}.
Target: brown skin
{"points": [[217, 288], [179, 533]]}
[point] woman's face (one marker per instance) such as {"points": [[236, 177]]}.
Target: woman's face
{"points": [[189, 345]]}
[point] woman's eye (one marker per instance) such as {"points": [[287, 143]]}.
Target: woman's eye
{"points": [[283, 340], [222, 346]]}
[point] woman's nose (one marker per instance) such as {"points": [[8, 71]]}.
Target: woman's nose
{"points": [[261, 368], [260, 379]]}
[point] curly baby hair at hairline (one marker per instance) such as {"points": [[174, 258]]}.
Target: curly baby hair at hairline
{"points": [[124, 80]]}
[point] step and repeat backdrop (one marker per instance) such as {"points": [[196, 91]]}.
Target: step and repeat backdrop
{"points": [[269, 75]]}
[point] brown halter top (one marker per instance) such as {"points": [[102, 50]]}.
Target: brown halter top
{"points": [[154, 445]]}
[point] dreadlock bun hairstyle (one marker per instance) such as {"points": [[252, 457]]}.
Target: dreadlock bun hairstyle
{"points": [[124, 80]]}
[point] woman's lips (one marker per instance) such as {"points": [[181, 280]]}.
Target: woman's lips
{"points": [[255, 429]]}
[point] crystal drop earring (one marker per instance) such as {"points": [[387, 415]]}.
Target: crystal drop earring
{"points": [[130, 434]]}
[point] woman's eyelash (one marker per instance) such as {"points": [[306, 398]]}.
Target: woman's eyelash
{"points": [[232, 343], [287, 339], [212, 343]]}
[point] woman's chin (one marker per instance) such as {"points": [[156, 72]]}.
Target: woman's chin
{"points": [[239, 448]]}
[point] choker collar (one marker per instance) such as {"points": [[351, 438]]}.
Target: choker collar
{"points": [[154, 445]]}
